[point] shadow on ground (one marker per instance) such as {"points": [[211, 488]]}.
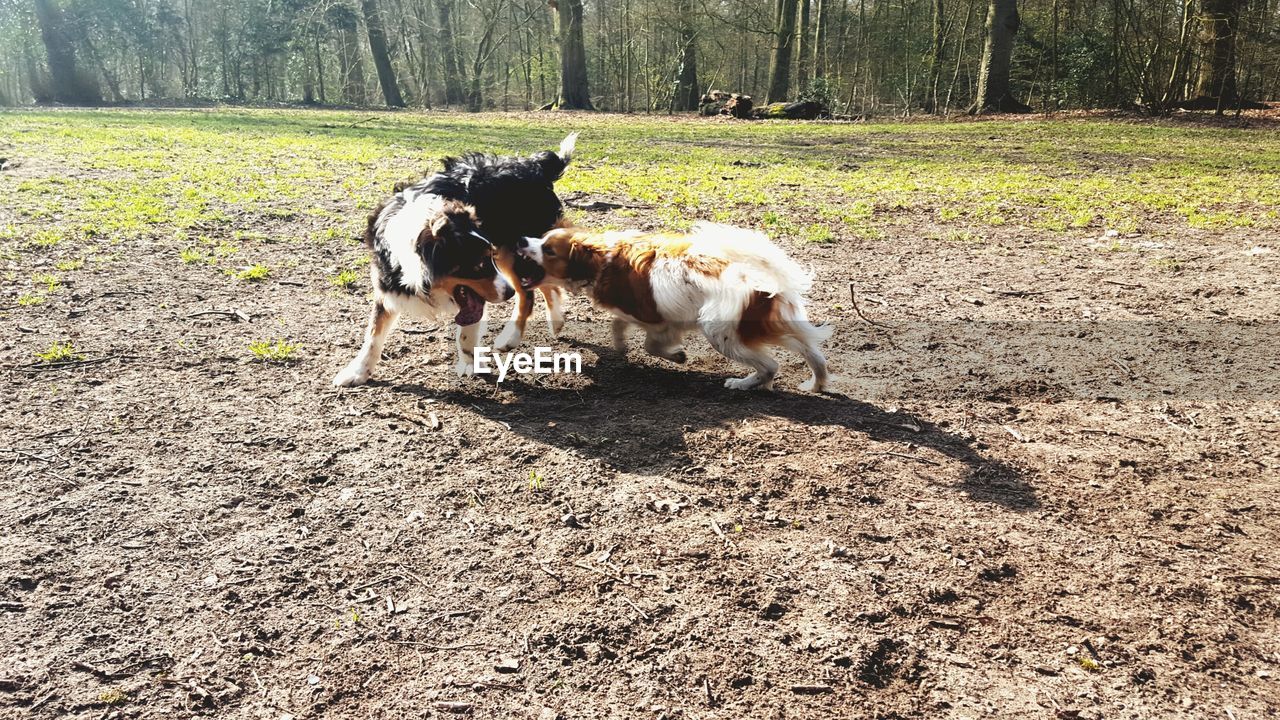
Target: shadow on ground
{"points": [[635, 418]]}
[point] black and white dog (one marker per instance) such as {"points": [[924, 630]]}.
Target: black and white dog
{"points": [[445, 246]]}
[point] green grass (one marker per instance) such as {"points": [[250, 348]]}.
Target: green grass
{"points": [[59, 352], [194, 255], [49, 281], [293, 176], [252, 273], [69, 265], [345, 279], [274, 350]]}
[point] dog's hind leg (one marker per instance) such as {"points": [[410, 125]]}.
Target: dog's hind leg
{"points": [[724, 338], [357, 372], [664, 342], [468, 337], [554, 297], [808, 349]]}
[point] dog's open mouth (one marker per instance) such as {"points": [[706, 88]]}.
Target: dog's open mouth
{"points": [[530, 272], [470, 306]]}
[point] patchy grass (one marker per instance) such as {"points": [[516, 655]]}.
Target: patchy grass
{"points": [[59, 352], [50, 282], [46, 238], [345, 279], [69, 265], [306, 176], [252, 273], [274, 350], [194, 255]]}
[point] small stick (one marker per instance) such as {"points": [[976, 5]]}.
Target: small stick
{"points": [[378, 581], [635, 607], [234, 314], [31, 455], [449, 614], [361, 122], [429, 646], [42, 366], [905, 456], [1121, 284], [853, 296]]}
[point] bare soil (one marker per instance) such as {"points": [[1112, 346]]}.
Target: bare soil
{"points": [[983, 521]]}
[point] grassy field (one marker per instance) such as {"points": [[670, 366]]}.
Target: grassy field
{"points": [[1047, 484]]}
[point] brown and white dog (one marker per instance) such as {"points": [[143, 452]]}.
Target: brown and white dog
{"points": [[734, 285]]}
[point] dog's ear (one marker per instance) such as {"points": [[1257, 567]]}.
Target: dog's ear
{"points": [[440, 226]]}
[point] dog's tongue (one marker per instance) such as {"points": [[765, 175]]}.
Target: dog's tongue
{"points": [[470, 306]]}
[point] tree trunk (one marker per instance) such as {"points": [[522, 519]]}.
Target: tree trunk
{"points": [[1219, 21], [935, 59], [687, 94], [452, 75], [574, 93], [70, 84], [381, 57], [994, 94], [804, 68], [780, 62], [820, 39]]}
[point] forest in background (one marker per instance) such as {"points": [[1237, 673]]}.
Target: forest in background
{"points": [[857, 57]]}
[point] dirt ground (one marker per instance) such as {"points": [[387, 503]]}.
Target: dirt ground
{"points": [[1047, 490]]}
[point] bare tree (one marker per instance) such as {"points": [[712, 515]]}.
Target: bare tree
{"points": [[574, 93], [687, 92], [1216, 83], [780, 62], [381, 57], [68, 83], [449, 53], [994, 93]]}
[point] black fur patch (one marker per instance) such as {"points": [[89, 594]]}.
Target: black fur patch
{"points": [[512, 198]]}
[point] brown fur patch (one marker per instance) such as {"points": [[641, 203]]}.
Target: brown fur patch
{"points": [[620, 269], [623, 283], [761, 322]]}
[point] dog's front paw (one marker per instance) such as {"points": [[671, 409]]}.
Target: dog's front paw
{"points": [[351, 376], [465, 367], [509, 338], [745, 383], [678, 357]]}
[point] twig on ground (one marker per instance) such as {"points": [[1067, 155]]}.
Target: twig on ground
{"points": [[1121, 284], [233, 314], [853, 297], [31, 455], [905, 456], [429, 646], [43, 366], [635, 607], [449, 614], [377, 581], [371, 118], [1018, 293]]}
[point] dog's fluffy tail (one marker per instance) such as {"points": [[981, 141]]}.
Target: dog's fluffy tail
{"points": [[567, 146], [756, 265], [762, 265]]}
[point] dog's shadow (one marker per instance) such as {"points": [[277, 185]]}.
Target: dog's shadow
{"points": [[635, 416]]}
